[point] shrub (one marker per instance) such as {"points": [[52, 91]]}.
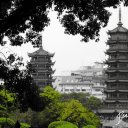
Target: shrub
{"points": [[89, 126], [61, 124], [7, 121], [24, 125]]}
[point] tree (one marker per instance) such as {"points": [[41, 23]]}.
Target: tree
{"points": [[82, 17], [62, 124], [21, 84], [77, 114], [82, 97], [51, 111], [93, 103]]}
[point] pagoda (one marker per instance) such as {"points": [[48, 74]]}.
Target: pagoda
{"points": [[42, 66], [117, 78]]}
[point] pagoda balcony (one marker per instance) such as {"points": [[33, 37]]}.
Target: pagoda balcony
{"points": [[110, 41], [109, 61], [117, 68], [43, 62], [43, 79], [117, 59], [115, 107], [114, 99], [117, 78], [117, 49], [117, 88]]}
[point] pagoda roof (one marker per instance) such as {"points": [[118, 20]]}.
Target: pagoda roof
{"points": [[40, 52], [119, 28]]}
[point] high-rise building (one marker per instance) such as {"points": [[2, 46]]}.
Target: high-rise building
{"points": [[117, 79], [42, 64]]}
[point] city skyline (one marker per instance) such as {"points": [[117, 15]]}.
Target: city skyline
{"points": [[70, 53]]}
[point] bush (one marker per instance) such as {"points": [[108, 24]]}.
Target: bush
{"points": [[89, 126], [24, 125], [6, 121], [62, 124]]}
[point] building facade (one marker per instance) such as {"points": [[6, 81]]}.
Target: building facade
{"points": [[117, 78], [42, 66], [88, 79]]}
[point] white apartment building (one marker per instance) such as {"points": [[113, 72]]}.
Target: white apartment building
{"points": [[88, 79]]}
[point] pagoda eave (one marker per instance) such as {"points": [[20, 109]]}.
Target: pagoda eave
{"points": [[114, 81], [116, 61], [116, 51], [112, 71]]}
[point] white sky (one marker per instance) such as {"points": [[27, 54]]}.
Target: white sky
{"points": [[70, 53]]}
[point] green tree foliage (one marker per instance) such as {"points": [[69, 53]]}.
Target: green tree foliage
{"points": [[24, 125], [64, 108], [82, 97], [62, 124], [93, 103], [50, 95], [89, 126], [51, 111], [82, 17], [76, 113], [88, 101], [6, 122]]}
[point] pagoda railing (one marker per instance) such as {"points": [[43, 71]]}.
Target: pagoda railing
{"points": [[115, 107], [117, 58], [118, 78], [117, 98], [117, 68], [117, 48], [117, 88]]}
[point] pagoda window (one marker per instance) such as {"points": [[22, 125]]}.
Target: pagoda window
{"points": [[34, 58], [123, 95], [41, 83], [41, 74], [41, 57], [123, 75], [112, 86], [41, 65], [113, 95], [112, 75], [113, 65], [112, 46], [34, 74], [123, 65], [113, 56]]}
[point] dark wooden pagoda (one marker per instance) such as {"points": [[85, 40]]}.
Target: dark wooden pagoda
{"points": [[42, 64], [117, 77]]}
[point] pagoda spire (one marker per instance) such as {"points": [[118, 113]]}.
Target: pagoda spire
{"points": [[120, 23], [40, 41]]}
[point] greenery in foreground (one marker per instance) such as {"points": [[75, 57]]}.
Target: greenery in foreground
{"points": [[70, 110]]}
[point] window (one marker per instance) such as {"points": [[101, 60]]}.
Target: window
{"points": [[83, 90]]}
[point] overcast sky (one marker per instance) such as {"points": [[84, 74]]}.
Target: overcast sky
{"points": [[70, 53]]}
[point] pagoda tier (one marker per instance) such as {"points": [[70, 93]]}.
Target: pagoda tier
{"points": [[42, 67], [117, 74]]}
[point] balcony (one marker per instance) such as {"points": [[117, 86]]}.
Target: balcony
{"points": [[118, 77], [114, 106], [117, 88]]}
